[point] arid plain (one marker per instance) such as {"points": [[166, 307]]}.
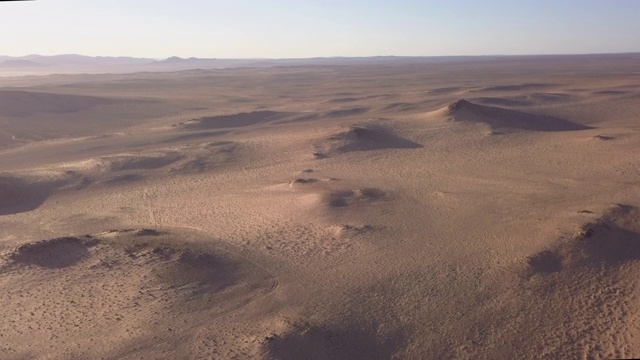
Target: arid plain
{"points": [[469, 209]]}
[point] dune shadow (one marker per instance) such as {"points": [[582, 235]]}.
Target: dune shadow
{"points": [[193, 136], [20, 195], [502, 101], [345, 112], [315, 342], [235, 120], [399, 106], [444, 90], [123, 179], [343, 100], [610, 92], [545, 262]]}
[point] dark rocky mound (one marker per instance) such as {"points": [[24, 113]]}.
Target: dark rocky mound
{"points": [[603, 137], [344, 198], [607, 243], [579, 289], [303, 181], [53, 253]]}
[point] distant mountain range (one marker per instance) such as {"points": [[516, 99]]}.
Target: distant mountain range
{"points": [[17, 63], [177, 63], [73, 59], [70, 63], [73, 63]]}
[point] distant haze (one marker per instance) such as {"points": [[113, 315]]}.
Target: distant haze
{"points": [[311, 28]]}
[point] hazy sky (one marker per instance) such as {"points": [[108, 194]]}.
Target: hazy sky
{"points": [[308, 28]]}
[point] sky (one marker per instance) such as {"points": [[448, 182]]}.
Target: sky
{"points": [[318, 28]]}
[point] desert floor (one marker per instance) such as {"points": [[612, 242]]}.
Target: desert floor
{"points": [[468, 209]]}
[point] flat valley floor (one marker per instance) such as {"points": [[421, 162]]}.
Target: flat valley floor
{"points": [[468, 209]]}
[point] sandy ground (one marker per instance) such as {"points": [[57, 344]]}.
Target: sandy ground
{"points": [[470, 210]]}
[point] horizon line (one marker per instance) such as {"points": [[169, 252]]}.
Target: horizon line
{"points": [[326, 56]]}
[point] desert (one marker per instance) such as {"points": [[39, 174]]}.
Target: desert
{"points": [[467, 208]]}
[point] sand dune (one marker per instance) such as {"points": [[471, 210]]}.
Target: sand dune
{"points": [[609, 242], [364, 137], [25, 191], [501, 119]]}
